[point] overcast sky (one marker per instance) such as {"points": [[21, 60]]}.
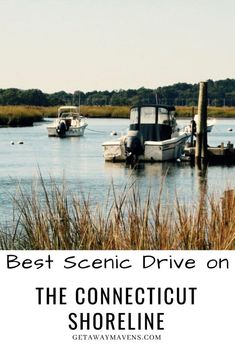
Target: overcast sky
{"points": [[114, 44]]}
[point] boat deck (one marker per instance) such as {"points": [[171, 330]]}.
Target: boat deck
{"points": [[217, 155]]}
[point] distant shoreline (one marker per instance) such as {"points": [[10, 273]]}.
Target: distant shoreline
{"points": [[18, 116]]}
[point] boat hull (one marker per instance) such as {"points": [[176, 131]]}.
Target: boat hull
{"points": [[71, 132], [114, 151], [209, 128], [154, 151], [167, 150]]}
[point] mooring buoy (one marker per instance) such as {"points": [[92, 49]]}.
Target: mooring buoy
{"points": [[113, 133]]}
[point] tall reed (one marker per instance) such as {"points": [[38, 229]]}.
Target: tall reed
{"points": [[59, 220]]}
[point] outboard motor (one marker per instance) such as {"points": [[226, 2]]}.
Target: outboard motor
{"points": [[133, 146], [61, 129]]}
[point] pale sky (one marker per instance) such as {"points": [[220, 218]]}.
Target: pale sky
{"points": [[114, 44]]}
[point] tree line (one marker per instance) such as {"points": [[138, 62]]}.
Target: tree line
{"points": [[220, 93]]}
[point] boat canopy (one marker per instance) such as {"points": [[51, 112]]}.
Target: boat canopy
{"points": [[168, 107], [68, 107], [150, 114]]}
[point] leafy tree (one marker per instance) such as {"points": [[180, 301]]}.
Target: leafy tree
{"points": [[221, 92]]}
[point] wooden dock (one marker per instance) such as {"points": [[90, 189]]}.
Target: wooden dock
{"points": [[215, 155], [197, 150]]}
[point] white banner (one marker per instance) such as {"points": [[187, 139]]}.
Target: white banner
{"points": [[100, 300]]}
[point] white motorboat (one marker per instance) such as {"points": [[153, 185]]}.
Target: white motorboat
{"points": [[210, 124], [69, 123], [153, 136]]}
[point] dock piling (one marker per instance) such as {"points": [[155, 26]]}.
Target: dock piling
{"points": [[201, 140], [192, 128]]}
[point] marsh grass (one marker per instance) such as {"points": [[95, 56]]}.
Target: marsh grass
{"points": [[19, 115], [26, 115], [127, 221], [15, 116], [217, 112], [106, 111]]}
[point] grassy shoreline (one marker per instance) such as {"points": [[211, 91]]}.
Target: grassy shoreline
{"points": [[215, 112], [15, 116]]}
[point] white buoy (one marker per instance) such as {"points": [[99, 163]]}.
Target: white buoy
{"points": [[12, 142], [113, 133]]}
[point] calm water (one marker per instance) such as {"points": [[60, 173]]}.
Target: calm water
{"points": [[80, 162]]}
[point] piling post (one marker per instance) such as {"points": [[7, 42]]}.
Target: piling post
{"points": [[201, 140], [192, 128]]}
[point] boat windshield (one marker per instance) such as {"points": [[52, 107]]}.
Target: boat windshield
{"points": [[134, 116], [67, 110], [163, 115], [148, 115], [69, 115]]}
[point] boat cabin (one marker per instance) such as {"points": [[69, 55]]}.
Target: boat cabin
{"points": [[68, 111], [154, 122]]}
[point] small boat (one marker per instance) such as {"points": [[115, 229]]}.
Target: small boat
{"points": [[153, 136], [210, 124], [69, 123]]}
